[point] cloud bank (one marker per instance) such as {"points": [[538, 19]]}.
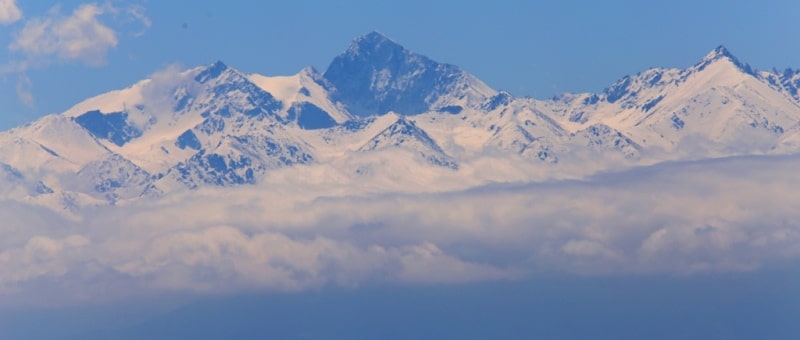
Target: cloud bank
{"points": [[730, 215]]}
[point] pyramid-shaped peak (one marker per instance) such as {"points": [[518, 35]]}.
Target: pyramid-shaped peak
{"points": [[376, 75], [402, 132], [722, 53], [372, 42], [719, 52]]}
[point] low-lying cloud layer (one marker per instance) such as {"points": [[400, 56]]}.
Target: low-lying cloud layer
{"points": [[737, 214]]}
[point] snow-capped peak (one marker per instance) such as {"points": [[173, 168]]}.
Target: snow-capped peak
{"points": [[721, 53]]}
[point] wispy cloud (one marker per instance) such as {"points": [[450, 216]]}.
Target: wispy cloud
{"points": [[9, 12], [24, 91], [137, 14]]}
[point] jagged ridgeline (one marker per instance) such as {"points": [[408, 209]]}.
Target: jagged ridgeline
{"points": [[380, 108]]}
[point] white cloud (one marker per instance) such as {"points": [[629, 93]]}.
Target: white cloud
{"points": [[737, 214], [9, 12], [80, 36]]}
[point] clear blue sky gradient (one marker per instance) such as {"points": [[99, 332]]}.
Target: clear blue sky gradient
{"points": [[529, 48]]}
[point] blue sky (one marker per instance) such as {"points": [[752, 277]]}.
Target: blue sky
{"points": [[531, 48]]}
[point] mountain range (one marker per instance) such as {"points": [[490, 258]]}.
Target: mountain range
{"points": [[381, 117]]}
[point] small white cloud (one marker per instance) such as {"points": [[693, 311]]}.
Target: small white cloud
{"points": [[80, 36], [24, 92], [9, 12]]}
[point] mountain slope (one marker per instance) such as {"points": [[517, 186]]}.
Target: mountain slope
{"points": [[720, 106]]}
